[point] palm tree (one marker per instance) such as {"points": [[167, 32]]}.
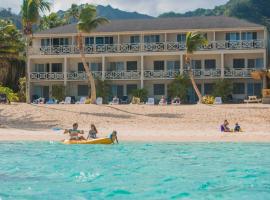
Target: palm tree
{"points": [[30, 11], [88, 21], [73, 13], [194, 40]]}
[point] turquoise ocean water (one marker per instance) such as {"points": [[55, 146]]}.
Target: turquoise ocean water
{"points": [[134, 171]]}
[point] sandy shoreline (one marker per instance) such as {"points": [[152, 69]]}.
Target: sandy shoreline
{"points": [[185, 123]]}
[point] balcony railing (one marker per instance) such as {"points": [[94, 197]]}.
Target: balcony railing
{"points": [[136, 75], [145, 47]]}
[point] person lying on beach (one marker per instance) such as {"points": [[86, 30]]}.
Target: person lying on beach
{"points": [[92, 133], [74, 132], [224, 126], [237, 128]]}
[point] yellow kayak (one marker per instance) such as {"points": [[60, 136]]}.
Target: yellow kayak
{"points": [[109, 140]]}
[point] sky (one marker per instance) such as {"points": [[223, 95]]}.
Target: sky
{"points": [[150, 7]]}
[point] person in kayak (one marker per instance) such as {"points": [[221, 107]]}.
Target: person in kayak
{"points": [[74, 132], [93, 132]]}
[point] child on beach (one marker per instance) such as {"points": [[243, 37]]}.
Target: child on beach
{"points": [[237, 128], [74, 132], [224, 126], [93, 132]]}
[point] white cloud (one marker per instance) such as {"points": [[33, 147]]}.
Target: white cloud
{"points": [[150, 7]]}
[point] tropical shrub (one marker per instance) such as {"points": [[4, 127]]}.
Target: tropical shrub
{"points": [[140, 93], [179, 87], [58, 92], [22, 89], [103, 89], [208, 99], [11, 95], [222, 88]]}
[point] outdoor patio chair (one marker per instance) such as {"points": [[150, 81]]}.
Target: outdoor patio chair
{"points": [[67, 100], [115, 101], [218, 100], [99, 101], [136, 100], [124, 100], [150, 101], [3, 98], [82, 100], [176, 101], [51, 101]]}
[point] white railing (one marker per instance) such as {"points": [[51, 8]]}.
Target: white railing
{"points": [[161, 74], [238, 73], [83, 75], [206, 73], [122, 75], [47, 76], [145, 47]]}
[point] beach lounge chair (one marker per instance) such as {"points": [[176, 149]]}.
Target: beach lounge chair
{"points": [[124, 100], [51, 101], [218, 100], [99, 101], [67, 100], [82, 100], [252, 99], [115, 101], [150, 101]]}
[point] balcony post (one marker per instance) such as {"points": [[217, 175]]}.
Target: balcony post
{"points": [[65, 71], [142, 71], [165, 43], [222, 65], [265, 59], [181, 64], [103, 68]]}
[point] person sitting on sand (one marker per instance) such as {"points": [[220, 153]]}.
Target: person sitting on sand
{"points": [[93, 132], [224, 126], [237, 128], [74, 132]]}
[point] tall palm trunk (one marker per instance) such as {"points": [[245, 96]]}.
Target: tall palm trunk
{"points": [[91, 81], [190, 72], [27, 86]]}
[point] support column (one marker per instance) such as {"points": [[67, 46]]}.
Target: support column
{"points": [[103, 68], [65, 71], [28, 79], [265, 59], [165, 39], [214, 36], [142, 71], [181, 64], [222, 66]]}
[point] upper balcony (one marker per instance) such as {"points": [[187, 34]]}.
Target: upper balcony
{"points": [[145, 47]]}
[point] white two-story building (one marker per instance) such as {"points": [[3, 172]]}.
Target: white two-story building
{"points": [[149, 53]]}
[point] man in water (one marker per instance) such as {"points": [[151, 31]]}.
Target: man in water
{"points": [[74, 132]]}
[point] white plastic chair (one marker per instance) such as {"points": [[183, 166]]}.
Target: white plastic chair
{"points": [[82, 100], [99, 101], [67, 100], [150, 101], [115, 101], [218, 100]]}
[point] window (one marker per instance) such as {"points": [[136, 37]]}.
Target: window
{"points": [[208, 88], [96, 67], [159, 65], [117, 90], [42, 67], [60, 41], [104, 40], [131, 88], [45, 42], [251, 63], [196, 64], [173, 65], [56, 67], [254, 89], [249, 36], [82, 90], [239, 88], [89, 41], [135, 39], [151, 38], [232, 36], [116, 66], [210, 64], [159, 89], [255, 63], [181, 38], [131, 65], [238, 63], [81, 67]]}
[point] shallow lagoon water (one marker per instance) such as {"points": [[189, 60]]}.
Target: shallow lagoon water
{"points": [[134, 171]]}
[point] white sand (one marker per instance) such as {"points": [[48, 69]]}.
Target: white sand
{"points": [[136, 122]]}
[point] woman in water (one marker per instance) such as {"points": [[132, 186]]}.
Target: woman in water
{"points": [[93, 132]]}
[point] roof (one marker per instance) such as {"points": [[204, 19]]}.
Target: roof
{"points": [[158, 24]]}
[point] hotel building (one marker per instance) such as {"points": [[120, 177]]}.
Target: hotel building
{"points": [[149, 53]]}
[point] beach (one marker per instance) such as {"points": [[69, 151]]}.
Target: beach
{"points": [[184, 123]]}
